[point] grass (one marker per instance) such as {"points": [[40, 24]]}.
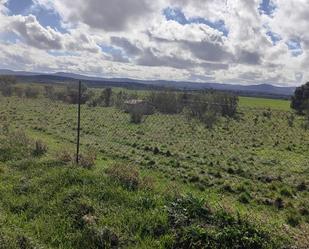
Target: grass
{"points": [[248, 166], [276, 104]]}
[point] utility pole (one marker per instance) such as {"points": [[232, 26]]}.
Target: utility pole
{"points": [[78, 121]]}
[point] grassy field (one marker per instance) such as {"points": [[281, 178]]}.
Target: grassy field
{"points": [[276, 104], [254, 167]]}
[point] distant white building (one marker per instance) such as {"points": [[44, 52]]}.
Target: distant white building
{"points": [[138, 104]]}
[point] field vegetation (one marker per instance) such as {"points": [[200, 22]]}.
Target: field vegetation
{"points": [[199, 170]]}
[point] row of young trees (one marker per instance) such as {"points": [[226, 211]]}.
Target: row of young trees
{"points": [[9, 87], [204, 106], [170, 102], [70, 94]]}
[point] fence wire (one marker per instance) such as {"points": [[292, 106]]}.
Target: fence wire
{"points": [[256, 146]]}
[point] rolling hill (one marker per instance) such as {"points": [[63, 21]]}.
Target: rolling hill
{"points": [[60, 77]]}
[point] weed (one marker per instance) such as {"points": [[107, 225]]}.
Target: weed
{"points": [[128, 176], [40, 149], [293, 218]]}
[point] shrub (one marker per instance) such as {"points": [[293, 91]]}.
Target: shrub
{"points": [[197, 226], [32, 92], [99, 238], [286, 192], [87, 160], [209, 106], [267, 113], [167, 102], [40, 149], [293, 218], [7, 80], [70, 94], [244, 198], [49, 92], [24, 242], [291, 119], [136, 115], [64, 156], [300, 98], [107, 97], [7, 91], [185, 209], [6, 85], [104, 99], [279, 203], [147, 183], [77, 209], [209, 119], [126, 175], [146, 203], [19, 91], [129, 177], [302, 186], [15, 146]]}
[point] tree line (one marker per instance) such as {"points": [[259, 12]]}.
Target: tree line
{"points": [[9, 87], [300, 102]]}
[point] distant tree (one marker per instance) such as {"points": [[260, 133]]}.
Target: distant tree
{"points": [[120, 99], [229, 104], [208, 107], [104, 99], [19, 91], [136, 114], [7, 80], [107, 97], [6, 85], [300, 98], [32, 92], [7, 91], [167, 102], [71, 94], [49, 91]]}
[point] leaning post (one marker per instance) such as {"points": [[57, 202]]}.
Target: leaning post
{"points": [[78, 122]]}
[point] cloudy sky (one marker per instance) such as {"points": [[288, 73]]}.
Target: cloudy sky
{"points": [[225, 41]]}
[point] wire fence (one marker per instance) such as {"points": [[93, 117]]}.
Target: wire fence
{"points": [[249, 151], [110, 130]]}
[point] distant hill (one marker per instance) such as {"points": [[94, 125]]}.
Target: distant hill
{"points": [[61, 77]]}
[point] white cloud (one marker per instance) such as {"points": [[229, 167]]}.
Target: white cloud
{"points": [[32, 33], [143, 44]]}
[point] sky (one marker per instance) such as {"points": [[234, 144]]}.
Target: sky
{"points": [[224, 41]]}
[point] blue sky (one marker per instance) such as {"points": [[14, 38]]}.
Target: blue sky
{"points": [[267, 7], [45, 16], [176, 14], [222, 41]]}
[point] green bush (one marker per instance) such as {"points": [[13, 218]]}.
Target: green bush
{"points": [[197, 226], [99, 238], [293, 218], [126, 175], [87, 160], [136, 115], [40, 149], [15, 146], [245, 198]]}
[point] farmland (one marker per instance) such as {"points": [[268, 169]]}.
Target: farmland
{"points": [[276, 104], [254, 166]]}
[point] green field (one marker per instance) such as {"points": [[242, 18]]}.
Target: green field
{"points": [[254, 166], [276, 104]]}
